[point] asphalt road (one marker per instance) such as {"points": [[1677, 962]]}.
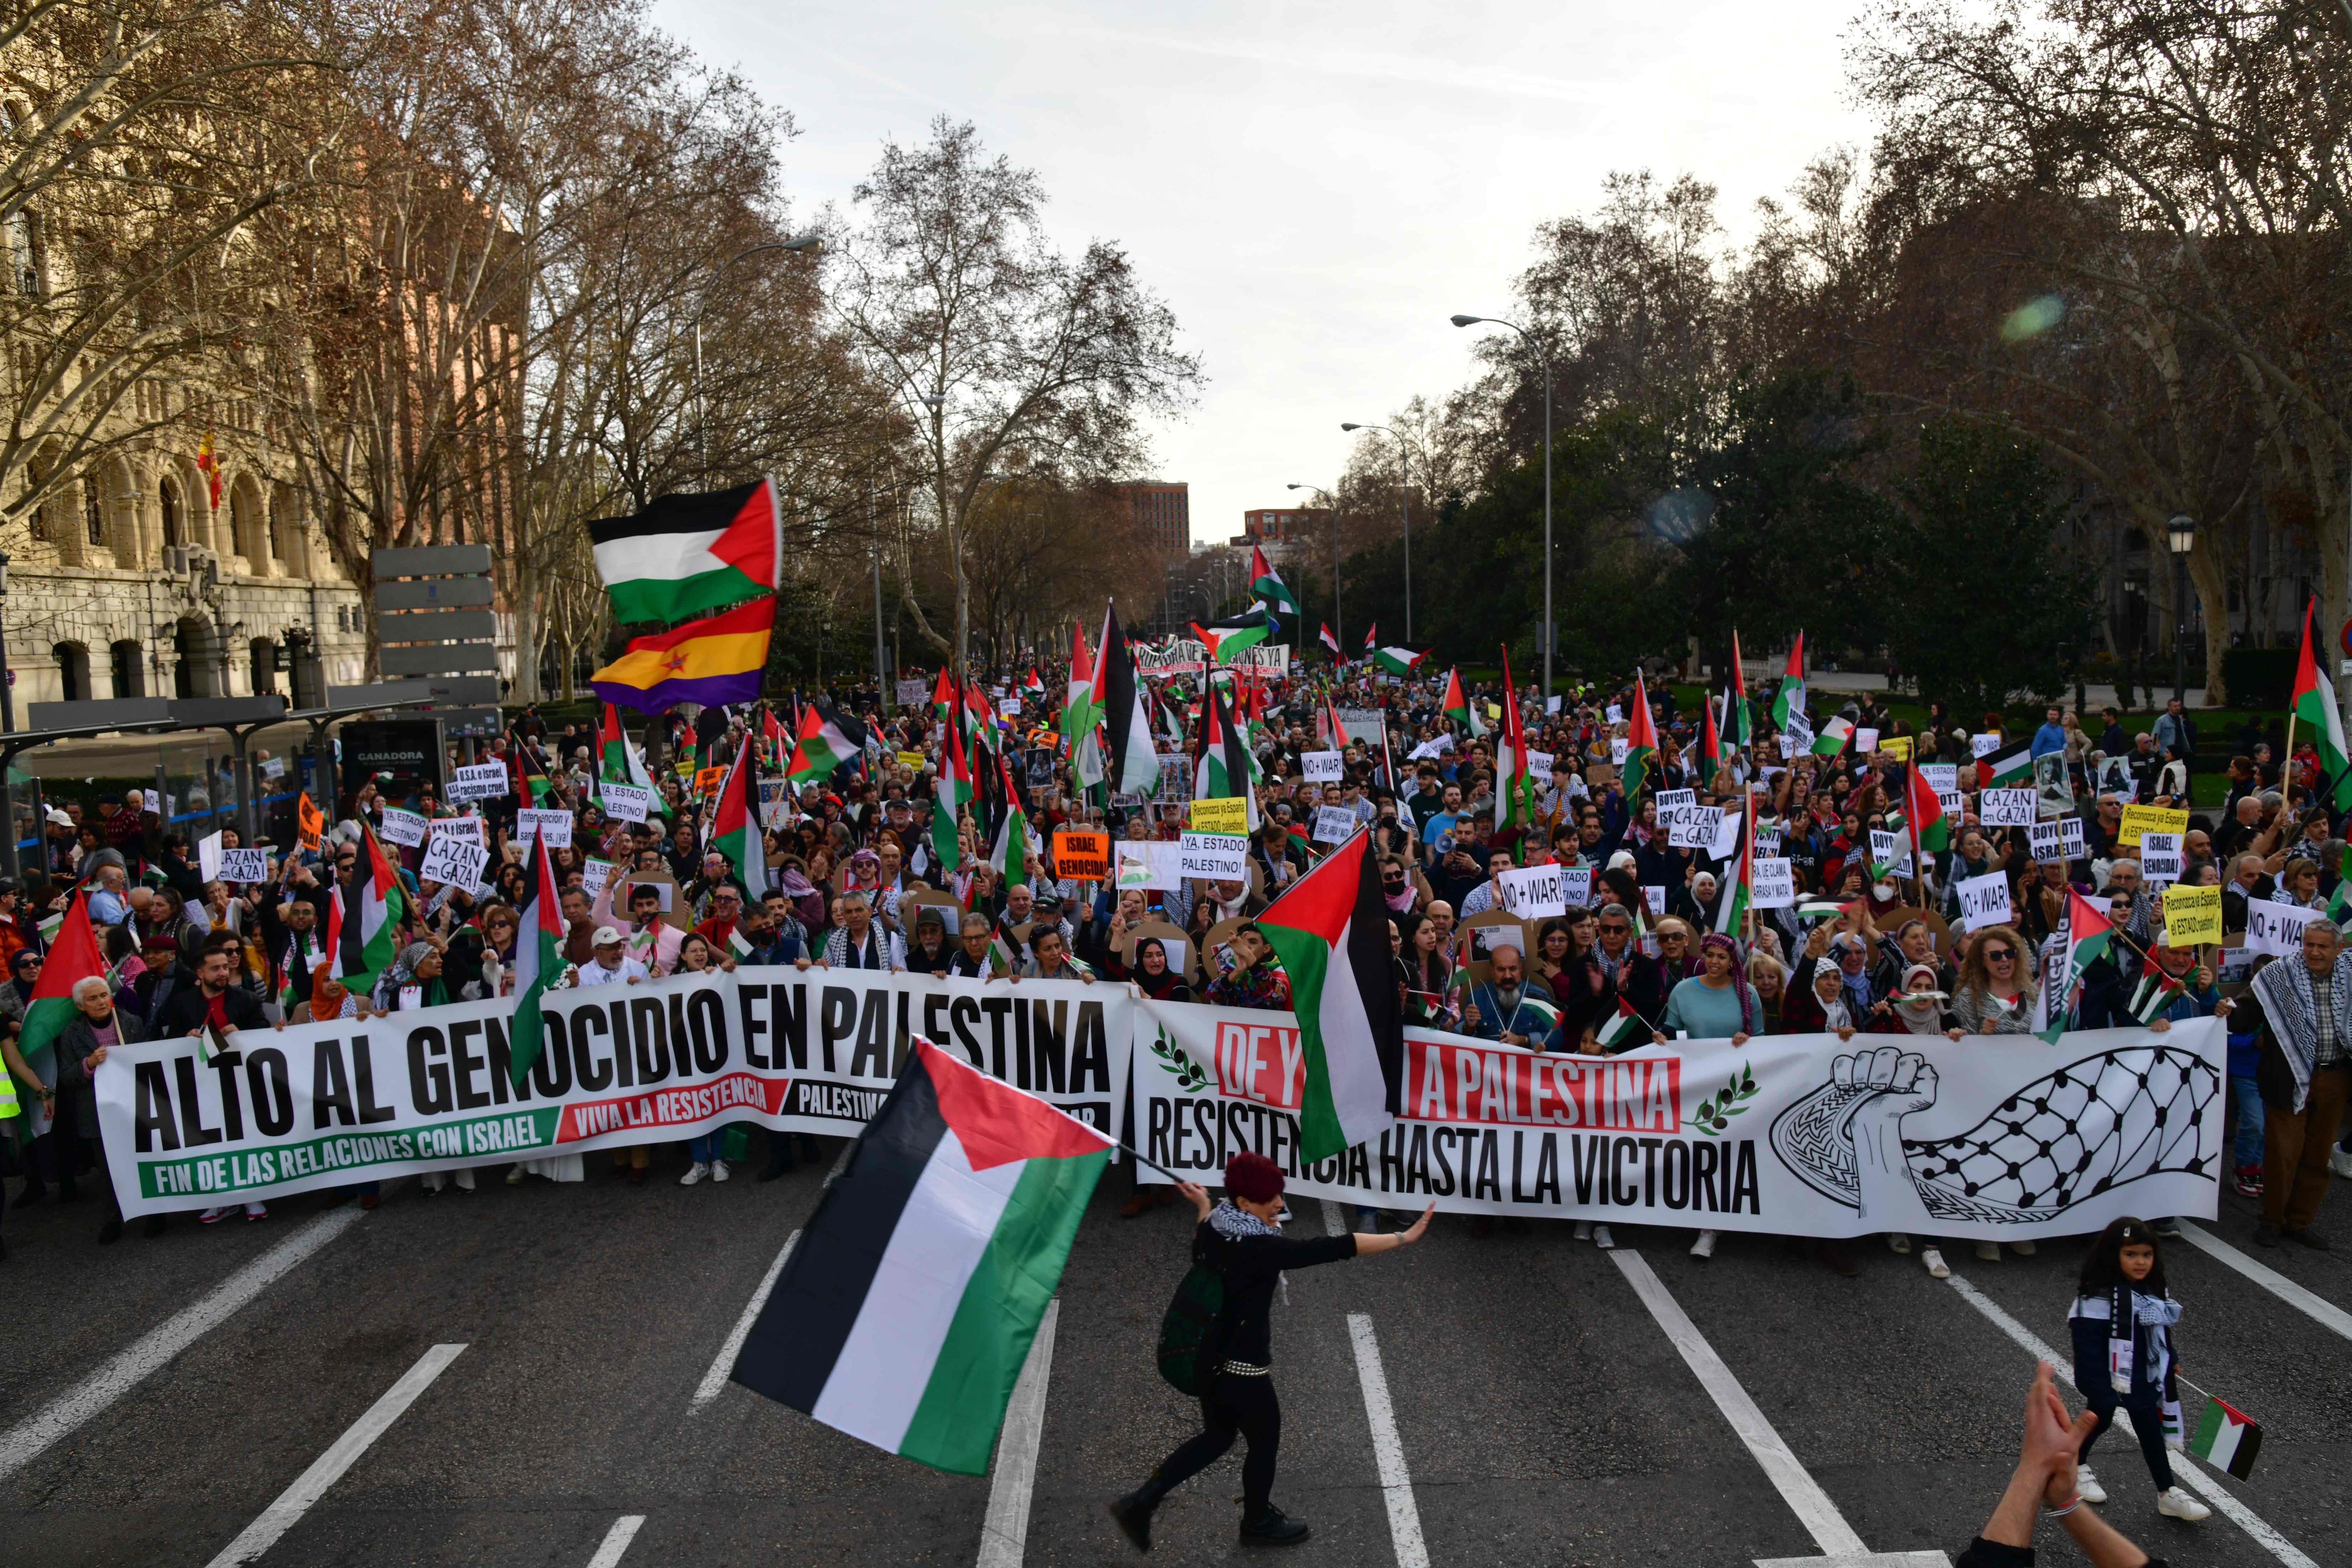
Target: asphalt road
{"points": [[1540, 1412]]}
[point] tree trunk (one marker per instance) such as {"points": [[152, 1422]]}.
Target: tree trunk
{"points": [[2209, 584]]}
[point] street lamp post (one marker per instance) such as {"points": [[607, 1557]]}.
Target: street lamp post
{"points": [[1338, 622], [1404, 466], [1550, 629], [2181, 534]]}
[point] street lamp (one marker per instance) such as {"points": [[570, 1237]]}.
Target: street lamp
{"points": [[2180, 535], [1549, 628], [1404, 464], [1337, 624]]}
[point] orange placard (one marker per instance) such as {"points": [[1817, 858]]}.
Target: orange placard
{"points": [[707, 782], [1082, 856], [309, 822]]}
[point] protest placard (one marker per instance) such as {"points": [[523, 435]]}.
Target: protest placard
{"points": [[913, 694], [1725, 845], [484, 781], [1149, 865], [1694, 826], [1942, 777], [1984, 745], [2006, 808], [1227, 816], [1539, 766], [453, 861], [1954, 803], [240, 866], [2275, 929], [1619, 748], [1866, 742], [553, 827], [1322, 767], [1890, 853], [1984, 902], [1219, 857], [402, 827], [1767, 841], [464, 830], [1082, 854], [911, 760], [2192, 916], [707, 782], [2140, 819], [2159, 858], [1576, 886], [1654, 895], [1895, 746], [1333, 824], [1616, 714], [208, 856], [1535, 893], [1775, 885], [775, 803], [594, 875]]}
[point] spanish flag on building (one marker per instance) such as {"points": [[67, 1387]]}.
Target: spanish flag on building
{"points": [[711, 661]]}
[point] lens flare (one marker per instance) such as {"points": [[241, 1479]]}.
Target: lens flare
{"points": [[2032, 319]]}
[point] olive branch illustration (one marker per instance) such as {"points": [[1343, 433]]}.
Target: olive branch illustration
{"points": [[1190, 1078], [1714, 1112]]}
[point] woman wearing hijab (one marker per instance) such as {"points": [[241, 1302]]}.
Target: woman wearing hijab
{"points": [[1151, 975], [418, 965], [1916, 1010]]}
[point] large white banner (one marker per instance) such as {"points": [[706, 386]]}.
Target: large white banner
{"points": [[1994, 1136], [326, 1105]]}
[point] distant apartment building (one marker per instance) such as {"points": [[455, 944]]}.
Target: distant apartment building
{"points": [[1162, 509], [1275, 526]]}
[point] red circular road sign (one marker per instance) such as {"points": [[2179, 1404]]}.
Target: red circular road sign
{"points": [[2344, 638]]}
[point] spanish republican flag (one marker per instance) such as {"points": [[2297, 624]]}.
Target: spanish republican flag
{"points": [[905, 1313], [710, 662]]}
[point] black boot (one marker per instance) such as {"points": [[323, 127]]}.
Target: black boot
{"points": [[1272, 1527], [1132, 1514]]}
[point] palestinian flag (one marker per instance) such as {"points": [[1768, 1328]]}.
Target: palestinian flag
{"points": [[1131, 765], [537, 963], [773, 736], [1329, 640], [1458, 706], [1331, 932], [2009, 768], [1641, 742], [2156, 993], [1268, 583], [1515, 805], [1009, 847], [617, 760], [2227, 1438], [826, 740], [979, 716], [1710, 747], [1371, 637], [735, 829], [1791, 698], [2315, 706], [1833, 736], [1080, 717], [949, 793], [1397, 661], [686, 555], [1222, 766], [1224, 642], [2088, 932], [74, 956], [1033, 688], [1625, 1031], [1735, 729], [370, 933], [943, 699], [531, 784], [1739, 883], [905, 1313], [2339, 903], [1923, 813]]}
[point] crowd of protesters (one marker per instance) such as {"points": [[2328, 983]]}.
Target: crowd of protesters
{"points": [[1862, 949]]}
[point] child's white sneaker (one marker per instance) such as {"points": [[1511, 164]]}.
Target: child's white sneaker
{"points": [[2174, 1504]]}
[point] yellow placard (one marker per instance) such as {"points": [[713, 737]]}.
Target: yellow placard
{"points": [[1895, 746], [2139, 819], [2192, 916], [1229, 816], [911, 758]]}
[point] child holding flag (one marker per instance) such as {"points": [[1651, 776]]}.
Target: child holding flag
{"points": [[2122, 1322]]}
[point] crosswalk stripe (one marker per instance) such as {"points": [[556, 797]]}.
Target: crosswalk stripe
{"points": [[1004, 1533], [1388, 1448], [714, 1382]]}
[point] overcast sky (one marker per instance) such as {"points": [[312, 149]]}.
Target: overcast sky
{"points": [[1313, 188]]}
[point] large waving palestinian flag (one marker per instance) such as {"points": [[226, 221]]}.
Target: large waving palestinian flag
{"points": [[735, 830], [1268, 583], [1331, 932], [1641, 742], [2088, 932], [905, 1313], [1131, 765], [370, 937], [2315, 706], [685, 555], [74, 956], [537, 961], [825, 742]]}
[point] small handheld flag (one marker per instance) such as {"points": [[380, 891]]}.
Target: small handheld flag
{"points": [[2227, 1438]]}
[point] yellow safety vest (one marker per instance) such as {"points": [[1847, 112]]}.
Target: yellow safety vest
{"points": [[8, 1093]]}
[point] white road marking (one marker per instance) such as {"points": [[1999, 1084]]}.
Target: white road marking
{"points": [[328, 1467], [714, 1382], [616, 1541], [2184, 1467], [1004, 1533], [1867, 1560], [1803, 1495], [131, 1365], [1388, 1450], [2314, 1307], [1335, 1218]]}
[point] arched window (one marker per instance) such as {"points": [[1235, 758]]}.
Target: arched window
{"points": [[128, 660], [73, 671], [170, 497], [264, 660]]}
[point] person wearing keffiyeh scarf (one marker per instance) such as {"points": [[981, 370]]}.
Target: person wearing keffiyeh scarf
{"points": [[2305, 1073]]}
